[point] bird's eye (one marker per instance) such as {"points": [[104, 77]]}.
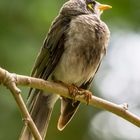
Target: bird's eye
{"points": [[90, 6]]}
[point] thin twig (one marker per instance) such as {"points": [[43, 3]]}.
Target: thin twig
{"points": [[51, 87], [9, 80]]}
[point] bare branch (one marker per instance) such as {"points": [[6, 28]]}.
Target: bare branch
{"points": [[51, 87], [9, 80]]}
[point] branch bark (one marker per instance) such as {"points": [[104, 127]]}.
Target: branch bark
{"points": [[11, 80]]}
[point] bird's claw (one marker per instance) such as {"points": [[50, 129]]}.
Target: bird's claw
{"points": [[87, 95], [75, 91]]}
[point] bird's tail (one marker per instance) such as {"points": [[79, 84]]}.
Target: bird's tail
{"points": [[40, 107], [68, 109]]}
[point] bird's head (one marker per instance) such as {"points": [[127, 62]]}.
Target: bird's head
{"points": [[77, 7], [95, 7]]}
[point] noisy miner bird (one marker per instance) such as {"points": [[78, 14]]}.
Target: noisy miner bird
{"points": [[71, 54]]}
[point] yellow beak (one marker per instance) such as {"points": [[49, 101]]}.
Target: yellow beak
{"points": [[104, 7]]}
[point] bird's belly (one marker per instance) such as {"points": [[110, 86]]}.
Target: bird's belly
{"points": [[72, 68]]}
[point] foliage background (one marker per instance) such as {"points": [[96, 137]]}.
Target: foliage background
{"points": [[23, 27]]}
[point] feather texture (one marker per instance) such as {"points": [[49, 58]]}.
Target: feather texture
{"points": [[72, 53]]}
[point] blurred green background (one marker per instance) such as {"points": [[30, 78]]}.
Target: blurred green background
{"points": [[23, 27]]}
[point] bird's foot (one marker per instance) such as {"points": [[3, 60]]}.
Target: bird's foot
{"points": [[76, 91], [73, 90], [87, 94]]}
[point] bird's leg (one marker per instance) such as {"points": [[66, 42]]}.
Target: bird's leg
{"points": [[87, 94], [75, 91]]}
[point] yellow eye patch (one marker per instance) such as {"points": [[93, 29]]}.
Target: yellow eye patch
{"points": [[90, 6]]}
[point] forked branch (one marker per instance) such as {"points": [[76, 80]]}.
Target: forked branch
{"points": [[11, 81]]}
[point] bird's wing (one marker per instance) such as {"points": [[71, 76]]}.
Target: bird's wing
{"points": [[52, 49], [40, 106]]}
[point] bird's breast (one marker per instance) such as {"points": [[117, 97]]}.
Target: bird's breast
{"points": [[84, 47]]}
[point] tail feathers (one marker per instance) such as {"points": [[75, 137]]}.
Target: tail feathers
{"points": [[40, 113], [68, 109]]}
